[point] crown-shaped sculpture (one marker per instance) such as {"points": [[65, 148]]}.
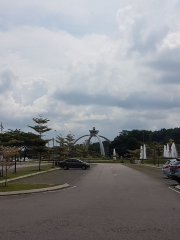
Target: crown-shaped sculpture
{"points": [[94, 133]]}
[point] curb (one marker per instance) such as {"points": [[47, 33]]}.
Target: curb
{"points": [[34, 190]]}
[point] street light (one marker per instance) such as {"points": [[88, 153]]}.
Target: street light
{"points": [[16, 133], [53, 152], [158, 154], [56, 137], [143, 148]]}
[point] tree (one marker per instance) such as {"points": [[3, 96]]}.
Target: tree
{"points": [[124, 142], [134, 153], [61, 149], [39, 145], [70, 144], [19, 139], [81, 150], [7, 153], [155, 150], [40, 127]]}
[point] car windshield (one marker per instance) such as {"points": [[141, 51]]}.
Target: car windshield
{"points": [[176, 163]]}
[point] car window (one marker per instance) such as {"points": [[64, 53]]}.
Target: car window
{"points": [[75, 160], [176, 163], [69, 160]]}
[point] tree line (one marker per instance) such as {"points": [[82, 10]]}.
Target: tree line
{"points": [[128, 141], [16, 144]]}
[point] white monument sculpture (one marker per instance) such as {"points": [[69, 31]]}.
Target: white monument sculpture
{"points": [[114, 154], [143, 152], [94, 133], [170, 153]]}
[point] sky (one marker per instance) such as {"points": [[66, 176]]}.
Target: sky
{"points": [[112, 65]]}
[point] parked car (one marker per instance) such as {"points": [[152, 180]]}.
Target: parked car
{"points": [[166, 167], [73, 163], [175, 170]]}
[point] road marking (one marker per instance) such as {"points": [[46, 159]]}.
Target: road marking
{"points": [[174, 190]]}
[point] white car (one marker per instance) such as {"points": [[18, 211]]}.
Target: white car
{"points": [[166, 166]]}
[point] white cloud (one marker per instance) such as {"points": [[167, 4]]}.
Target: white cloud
{"points": [[125, 17], [92, 79], [172, 40]]}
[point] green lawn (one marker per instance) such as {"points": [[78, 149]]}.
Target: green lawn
{"points": [[18, 187], [24, 171]]}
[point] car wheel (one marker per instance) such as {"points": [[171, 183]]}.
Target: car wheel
{"points": [[65, 167], [83, 167], [178, 180]]}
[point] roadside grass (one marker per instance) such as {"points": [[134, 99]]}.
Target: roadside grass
{"points": [[150, 161], [118, 160], [101, 161], [24, 171], [147, 161], [19, 187]]}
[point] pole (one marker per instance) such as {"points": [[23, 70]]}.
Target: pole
{"points": [[16, 132], [53, 152], [56, 137], [143, 149], [158, 154]]}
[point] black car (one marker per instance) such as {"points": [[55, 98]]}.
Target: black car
{"points": [[73, 163]]}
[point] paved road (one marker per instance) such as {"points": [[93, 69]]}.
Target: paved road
{"points": [[155, 172], [111, 201], [58, 176]]}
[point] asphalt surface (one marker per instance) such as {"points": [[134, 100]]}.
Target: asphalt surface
{"points": [[59, 176], [109, 201], [155, 172]]}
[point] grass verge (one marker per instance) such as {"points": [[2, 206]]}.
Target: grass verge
{"points": [[101, 161], [24, 171], [19, 187]]}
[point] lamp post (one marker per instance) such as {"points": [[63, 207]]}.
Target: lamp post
{"points": [[56, 137], [53, 153], [158, 154], [16, 133], [143, 148]]}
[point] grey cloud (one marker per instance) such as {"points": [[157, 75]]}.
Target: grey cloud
{"points": [[168, 61], [76, 98], [39, 16], [143, 40], [136, 100], [31, 92], [7, 79], [166, 65], [150, 101], [170, 78]]}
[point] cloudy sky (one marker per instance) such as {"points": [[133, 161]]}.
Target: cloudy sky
{"points": [[112, 65]]}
